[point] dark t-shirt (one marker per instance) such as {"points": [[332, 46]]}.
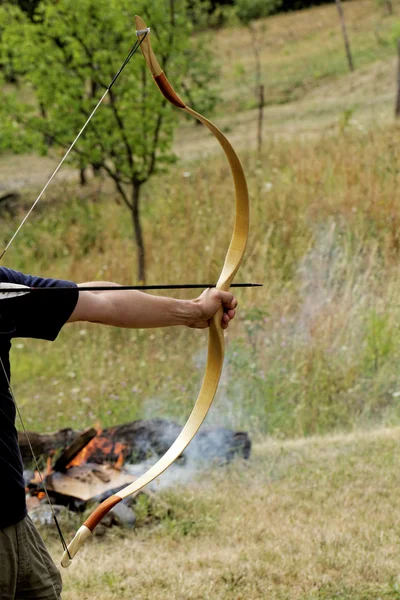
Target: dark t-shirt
{"points": [[36, 316]]}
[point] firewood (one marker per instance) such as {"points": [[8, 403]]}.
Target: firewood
{"points": [[73, 449]]}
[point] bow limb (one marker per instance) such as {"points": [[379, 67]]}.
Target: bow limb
{"points": [[216, 346]]}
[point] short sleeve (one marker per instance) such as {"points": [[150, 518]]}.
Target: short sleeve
{"points": [[39, 315]]}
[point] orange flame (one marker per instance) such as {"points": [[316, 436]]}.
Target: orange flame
{"points": [[100, 445], [120, 460]]}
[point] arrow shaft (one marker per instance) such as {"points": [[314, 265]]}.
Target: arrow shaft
{"points": [[103, 288]]}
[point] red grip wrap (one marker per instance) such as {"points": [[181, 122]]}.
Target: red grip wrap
{"points": [[168, 91], [100, 511]]}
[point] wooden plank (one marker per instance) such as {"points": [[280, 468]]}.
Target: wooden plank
{"points": [[87, 481]]}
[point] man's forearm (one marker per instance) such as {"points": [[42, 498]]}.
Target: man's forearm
{"points": [[133, 309], [137, 309]]}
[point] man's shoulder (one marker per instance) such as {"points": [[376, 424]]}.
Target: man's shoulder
{"points": [[11, 276]]}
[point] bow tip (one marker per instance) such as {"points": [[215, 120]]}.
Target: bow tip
{"points": [[81, 535], [141, 26], [65, 560]]}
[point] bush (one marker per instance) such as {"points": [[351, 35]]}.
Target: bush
{"points": [[247, 10]]}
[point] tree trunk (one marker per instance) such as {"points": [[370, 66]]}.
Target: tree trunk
{"points": [[389, 7], [96, 170], [82, 176], [260, 118], [256, 41], [345, 37], [397, 110], [48, 140], [138, 232]]}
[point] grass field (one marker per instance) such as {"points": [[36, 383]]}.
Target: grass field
{"points": [[312, 519]]}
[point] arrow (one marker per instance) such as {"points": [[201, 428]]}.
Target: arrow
{"points": [[11, 290]]}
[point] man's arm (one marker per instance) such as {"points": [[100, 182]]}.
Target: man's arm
{"points": [[134, 309]]}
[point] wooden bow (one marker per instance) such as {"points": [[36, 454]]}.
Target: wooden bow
{"points": [[216, 345]]}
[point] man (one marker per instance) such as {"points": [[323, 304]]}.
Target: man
{"points": [[26, 569]]}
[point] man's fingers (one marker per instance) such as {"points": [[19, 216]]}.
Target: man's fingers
{"points": [[229, 304], [228, 299], [227, 317]]}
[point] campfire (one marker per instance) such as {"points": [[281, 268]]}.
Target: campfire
{"points": [[88, 466]]}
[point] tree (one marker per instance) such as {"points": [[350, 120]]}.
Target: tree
{"points": [[388, 5], [246, 12], [28, 6], [345, 36], [69, 54], [397, 107]]}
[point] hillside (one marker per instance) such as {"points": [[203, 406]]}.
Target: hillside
{"points": [[308, 88]]}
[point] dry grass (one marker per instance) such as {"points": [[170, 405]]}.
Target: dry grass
{"points": [[308, 519]]}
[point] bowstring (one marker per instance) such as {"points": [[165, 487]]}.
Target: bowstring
{"points": [[36, 462]]}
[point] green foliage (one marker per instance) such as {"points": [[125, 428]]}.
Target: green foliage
{"points": [[84, 43], [249, 10], [14, 135], [28, 6], [396, 32], [379, 338]]}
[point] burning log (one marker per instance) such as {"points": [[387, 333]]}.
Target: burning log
{"points": [[134, 443], [44, 444], [74, 449], [139, 441], [92, 465], [102, 448]]}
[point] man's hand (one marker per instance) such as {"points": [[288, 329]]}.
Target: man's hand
{"points": [[209, 303]]}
